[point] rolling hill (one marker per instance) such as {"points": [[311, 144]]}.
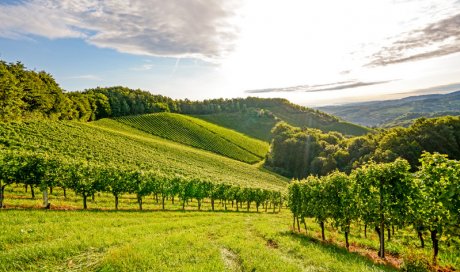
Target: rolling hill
{"points": [[399, 112], [110, 142], [258, 119], [200, 134]]}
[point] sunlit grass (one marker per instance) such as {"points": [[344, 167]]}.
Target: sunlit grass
{"points": [[163, 241]]}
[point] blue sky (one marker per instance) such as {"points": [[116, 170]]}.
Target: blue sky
{"points": [[311, 52]]}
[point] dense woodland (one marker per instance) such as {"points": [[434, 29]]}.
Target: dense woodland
{"points": [[297, 152]]}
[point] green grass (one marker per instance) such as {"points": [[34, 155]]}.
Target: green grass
{"points": [[248, 123], [200, 134], [36, 240], [110, 142], [174, 239], [404, 242]]}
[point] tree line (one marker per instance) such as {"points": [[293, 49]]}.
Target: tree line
{"points": [[298, 153], [384, 196], [38, 170], [28, 94]]}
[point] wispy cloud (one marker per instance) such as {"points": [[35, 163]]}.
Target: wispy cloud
{"points": [[86, 77], [144, 67], [341, 85], [163, 28], [436, 39]]}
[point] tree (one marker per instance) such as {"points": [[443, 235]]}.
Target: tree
{"points": [[382, 191], [83, 179], [11, 94], [115, 181], [342, 202], [318, 206], [52, 177], [33, 174], [11, 163], [185, 191], [295, 202], [141, 185], [438, 179], [200, 190]]}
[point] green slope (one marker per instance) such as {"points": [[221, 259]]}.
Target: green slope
{"points": [[201, 134], [249, 123], [305, 117], [258, 122], [109, 141]]}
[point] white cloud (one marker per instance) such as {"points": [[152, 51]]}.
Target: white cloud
{"points": [[143, 67], [179, 28]]}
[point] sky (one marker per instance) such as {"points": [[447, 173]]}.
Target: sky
{"points": [[313, 53]]}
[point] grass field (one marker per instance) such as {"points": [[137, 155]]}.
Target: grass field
{"points": [[111, 142], [200, 134], [153, 240], [174, 240]]}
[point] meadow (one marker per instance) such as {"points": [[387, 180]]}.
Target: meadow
{"points": [[67, 238], [153, 240]]}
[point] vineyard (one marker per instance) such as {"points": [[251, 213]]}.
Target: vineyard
{"points": [[44, 172], [110, 142], [200, 134], [386, 196]]}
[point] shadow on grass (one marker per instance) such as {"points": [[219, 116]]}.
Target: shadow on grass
{"points": [[335, 249], [99, 210]]}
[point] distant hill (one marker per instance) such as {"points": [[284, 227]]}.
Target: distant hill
{"points": [[201, 134], [399, 112], [258, 117]]}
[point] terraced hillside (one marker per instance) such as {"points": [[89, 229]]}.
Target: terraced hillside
{"points": [[111, 142], [201, 134]]}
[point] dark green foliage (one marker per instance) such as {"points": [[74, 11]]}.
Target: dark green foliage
{"points": [[11, 104], [298, 152], [123, 101]]}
